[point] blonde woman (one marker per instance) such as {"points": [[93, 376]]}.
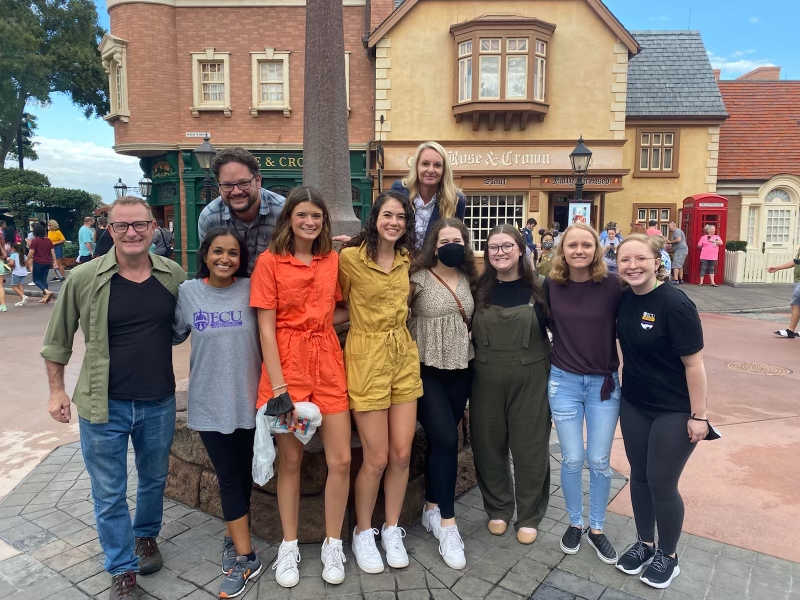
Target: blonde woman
{"points": [[431, 190], [54, 235]]}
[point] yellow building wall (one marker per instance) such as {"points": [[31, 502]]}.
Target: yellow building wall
{"points": [[415, 74], [697, 157]]}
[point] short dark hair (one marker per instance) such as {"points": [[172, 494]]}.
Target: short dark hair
{"points": [[202, 252], [235, 154], [160, 222], [102, 221], [531, 221], [39, 231], [652, 222]]}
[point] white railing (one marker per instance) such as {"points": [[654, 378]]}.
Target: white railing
{"points": [[751, 266]]}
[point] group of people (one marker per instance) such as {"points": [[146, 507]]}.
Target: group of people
{"points": [[427, 334]]}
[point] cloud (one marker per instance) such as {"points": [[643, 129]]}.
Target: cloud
{"points": [[660, 18], [754, 19], [735, 65], [84, 166]]}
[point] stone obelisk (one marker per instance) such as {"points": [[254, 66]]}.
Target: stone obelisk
{"points": [[326, 147]]}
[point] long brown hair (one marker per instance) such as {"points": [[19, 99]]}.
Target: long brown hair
{"points": [[283, 237], [559, 272], [483, 294], [369, 235], [427, 259]]}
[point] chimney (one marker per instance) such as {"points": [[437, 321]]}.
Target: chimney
{"points": [[717, 74], [770, 73]]}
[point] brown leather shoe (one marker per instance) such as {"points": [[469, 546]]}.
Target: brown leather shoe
{"points": [[123, 586], [149, 555], [497, 528], [527, 537]]}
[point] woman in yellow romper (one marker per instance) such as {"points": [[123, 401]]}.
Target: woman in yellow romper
{"points": [[382, 366]]}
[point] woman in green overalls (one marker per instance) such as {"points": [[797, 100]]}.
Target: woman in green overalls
{"points": [[508, 406]]}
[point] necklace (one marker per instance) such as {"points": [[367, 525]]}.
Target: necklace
{"points": [[447, 280]]}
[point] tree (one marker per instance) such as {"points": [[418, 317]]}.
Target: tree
{"points": [[48, 46], [29, 127]]}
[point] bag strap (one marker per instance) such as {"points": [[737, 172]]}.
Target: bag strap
{"points": [[458, 302]]}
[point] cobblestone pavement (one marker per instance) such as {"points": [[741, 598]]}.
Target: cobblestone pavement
{"points": [[740, 299], [49, 521]]}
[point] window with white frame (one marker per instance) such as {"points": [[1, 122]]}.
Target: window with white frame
{"points": [[777, 195], [662, 215], [778, 225], [114, 54], [270, 72], [751, 225], [540, 71], [485, 211], [211, 81], [465, 71]]}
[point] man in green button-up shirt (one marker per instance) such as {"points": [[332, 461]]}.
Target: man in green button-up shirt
{"points": [[124, 303]]}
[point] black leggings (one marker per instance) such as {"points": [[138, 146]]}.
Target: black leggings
{"points": [[439, 411], [658, 447], [232, 457]]}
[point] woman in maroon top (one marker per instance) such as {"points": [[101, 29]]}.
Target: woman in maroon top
{"points": [[584, 383], [41, 257]]}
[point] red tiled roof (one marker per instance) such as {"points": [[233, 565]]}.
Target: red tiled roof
{"points": [[762, 136]]}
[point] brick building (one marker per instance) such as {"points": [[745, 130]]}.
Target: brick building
{"points": [[233, 69]]}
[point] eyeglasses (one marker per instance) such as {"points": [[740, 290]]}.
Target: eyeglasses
{"points": [[638, 261], [501, 249], [138, 226], [242, 185]]}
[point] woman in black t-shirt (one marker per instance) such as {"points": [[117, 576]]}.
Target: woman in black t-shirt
{"points": [[663, 411]]}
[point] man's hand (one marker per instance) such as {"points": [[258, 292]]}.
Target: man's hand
{"points": [[58, 406]]}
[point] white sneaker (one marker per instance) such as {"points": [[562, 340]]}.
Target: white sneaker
{"points": [[451, 547], [432, 520], [392, 542], [285, 566], [333, 559], [366, 552], [24, 301]]}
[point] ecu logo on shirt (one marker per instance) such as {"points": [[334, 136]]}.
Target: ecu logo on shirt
{"points": [[648, 320]]}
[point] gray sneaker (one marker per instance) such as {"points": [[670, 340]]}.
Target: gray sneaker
{"points": [[228, 554], [237, 578]]}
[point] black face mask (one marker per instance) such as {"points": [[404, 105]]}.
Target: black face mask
{"points": [[451, 255]]}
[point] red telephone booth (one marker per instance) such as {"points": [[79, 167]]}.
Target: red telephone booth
{"points": [[698, 211]]}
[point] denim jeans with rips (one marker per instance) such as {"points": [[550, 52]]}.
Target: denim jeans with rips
{"points": [[150, 425]]}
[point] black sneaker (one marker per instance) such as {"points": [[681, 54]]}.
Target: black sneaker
{"points": [[571, 540], [123, 586], [149, 555], [636, 558], [605, 551], [661, 571]]}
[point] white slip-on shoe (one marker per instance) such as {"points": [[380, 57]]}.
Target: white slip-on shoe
{"points": [[285, 566], [392, 543], [366, 552], [333, 561], [451, 547], [432, 520]]}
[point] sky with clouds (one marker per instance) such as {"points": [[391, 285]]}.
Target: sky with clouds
{"points": [[739, 36]]}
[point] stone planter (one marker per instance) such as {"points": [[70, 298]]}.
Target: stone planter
{"points": [[193, 482]]}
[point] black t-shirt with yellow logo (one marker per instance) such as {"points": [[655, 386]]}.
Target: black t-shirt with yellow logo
{"points": [[655, 330]]}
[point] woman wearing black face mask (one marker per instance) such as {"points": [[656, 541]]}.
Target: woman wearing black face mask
{"points": [[548, 252], [442, 284]]}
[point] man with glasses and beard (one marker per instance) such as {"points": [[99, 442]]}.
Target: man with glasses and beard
{"points": [[243, 204], [125, 303]]}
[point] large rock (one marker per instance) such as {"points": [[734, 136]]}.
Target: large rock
{"points": [[183, 482], [187, 444], [313, 470], [466, 478]]}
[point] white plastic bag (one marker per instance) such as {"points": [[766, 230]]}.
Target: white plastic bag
{"points": [[305, 410], [263, 449]]}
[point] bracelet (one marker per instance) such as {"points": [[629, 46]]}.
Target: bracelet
{"points": [[278, 387], [693, 418]]}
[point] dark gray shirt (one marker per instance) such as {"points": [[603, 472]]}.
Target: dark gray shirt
{"points": [[682, 245]]}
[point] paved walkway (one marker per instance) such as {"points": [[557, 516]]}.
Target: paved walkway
{"points": [[48, 522]]}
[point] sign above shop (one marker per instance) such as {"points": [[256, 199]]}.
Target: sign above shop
{"points": [[509, 158], [198, 134], [591, 182], [161, 169]]}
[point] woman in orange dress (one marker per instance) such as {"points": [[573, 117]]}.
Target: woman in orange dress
{"points": [[295, 288]]}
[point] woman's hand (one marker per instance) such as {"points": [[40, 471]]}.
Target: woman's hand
{"points": [[698, 430]]}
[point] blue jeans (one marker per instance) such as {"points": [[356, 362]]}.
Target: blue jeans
{"points": [[150, 425], [571, 398], [40, 275]]}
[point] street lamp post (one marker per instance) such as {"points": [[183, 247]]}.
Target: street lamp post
{"points": [[205, 153], [580, 159], [145, 188]]}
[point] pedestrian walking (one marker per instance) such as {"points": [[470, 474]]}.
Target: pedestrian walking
{"points": [[4, 271], [54, 235], [548, 253], [791, 330], [16, 261], [243, 204], [584, 383], [296, 291], [163, 240], [680, 250], [104, 241], [508, 404], [663, 413], [383, 376], [126, 387], [86, 241], [220, 292], [709, 245], [609, 246], [442, 281], [41, 257], [430, 187]]}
